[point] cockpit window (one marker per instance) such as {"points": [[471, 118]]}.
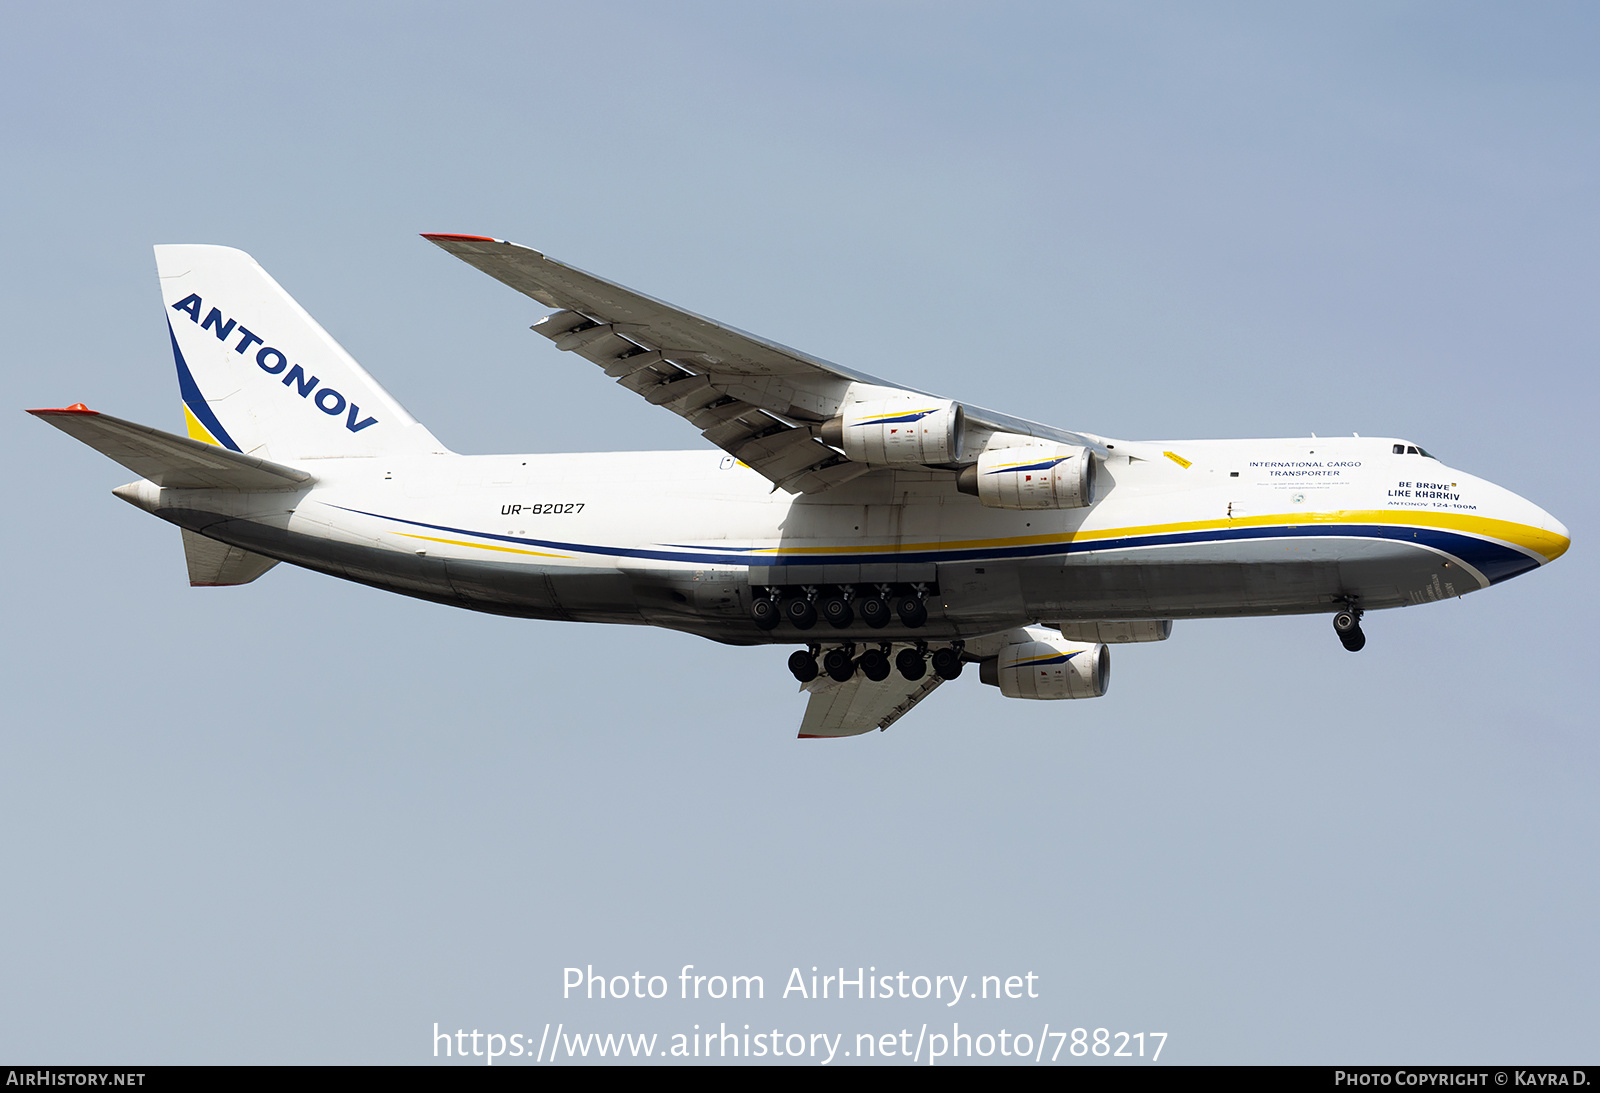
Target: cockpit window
{"points": [[1412, 449]]}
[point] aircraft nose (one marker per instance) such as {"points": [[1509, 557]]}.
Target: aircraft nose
{"points": [[1544, 535], [1539, 537], [1560, 540]]}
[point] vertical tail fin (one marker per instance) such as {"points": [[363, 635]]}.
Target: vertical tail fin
{"points": [[258, 375]]}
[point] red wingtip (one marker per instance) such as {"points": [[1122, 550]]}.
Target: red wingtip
{"points": [[75, 408], [453, 235]]}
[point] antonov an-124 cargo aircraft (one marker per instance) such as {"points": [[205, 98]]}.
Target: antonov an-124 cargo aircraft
{"points": [[894, 537]]}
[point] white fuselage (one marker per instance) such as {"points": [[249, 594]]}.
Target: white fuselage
{"points": [[1180, 529]]}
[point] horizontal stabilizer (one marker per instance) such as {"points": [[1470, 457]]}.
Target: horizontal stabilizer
{"points": [[172, 462], [213, 563]]}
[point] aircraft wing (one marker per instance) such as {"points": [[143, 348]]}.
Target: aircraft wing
{"points": [[860, 705], [755, 399]]}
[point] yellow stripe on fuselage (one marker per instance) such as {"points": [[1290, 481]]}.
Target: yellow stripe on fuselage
{"points": [[1548, 545], [480, 546]]}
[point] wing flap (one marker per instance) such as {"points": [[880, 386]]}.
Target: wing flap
{"points": [[172, 462]]}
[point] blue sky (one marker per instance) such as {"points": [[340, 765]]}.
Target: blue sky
{"points": [[302, 821]]}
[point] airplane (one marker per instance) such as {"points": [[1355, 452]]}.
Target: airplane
{"points": [[895, 536]]}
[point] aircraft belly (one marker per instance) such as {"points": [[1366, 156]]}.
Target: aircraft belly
{"points": [[980, 598], [1278, 576], [521, 586], [408, 574], [1162, 588]]}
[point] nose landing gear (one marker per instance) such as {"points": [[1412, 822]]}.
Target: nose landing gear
{"points": [[1347, 624]]}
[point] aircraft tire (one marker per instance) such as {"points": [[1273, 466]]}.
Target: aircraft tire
{"points": [[837, 611], [911, 664], [803, 665], [1347, 624], [946, 663], [801, 612], [837, 663], [875, 665], [765, 614], [874, 612], [912, 611]]}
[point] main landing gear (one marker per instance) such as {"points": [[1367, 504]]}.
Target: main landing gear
{"points": [[841, 662], [803, 664], [841, 606], [1347, 624]]}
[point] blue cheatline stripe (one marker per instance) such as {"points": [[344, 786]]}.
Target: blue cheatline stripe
{"points": [[194, 400], [1062, 659], [918, 416], [1045, 466], [1493, 560]]}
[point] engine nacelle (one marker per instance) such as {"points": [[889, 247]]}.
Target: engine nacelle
{"points": [[1048, 666], [899, 432], [1116, 632], [1057, 476]]}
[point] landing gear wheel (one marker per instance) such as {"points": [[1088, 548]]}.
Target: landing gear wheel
{"points": [[800, 612], [838, 664], [946, 663], [911, 664], [803, 665], [765, 614], [874, 612], [837, 611], [1347, 624], [913, 612], [875, 665]]}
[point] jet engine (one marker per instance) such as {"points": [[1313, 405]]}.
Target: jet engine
{"points": [[1043, 664], [899, 432], [1059, 476]]}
